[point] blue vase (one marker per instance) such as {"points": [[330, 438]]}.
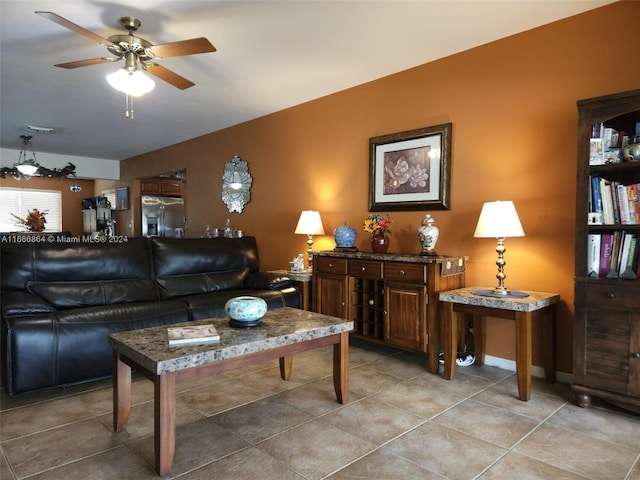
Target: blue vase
{"points": [[345, 236]]}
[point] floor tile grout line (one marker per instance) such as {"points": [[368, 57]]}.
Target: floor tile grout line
{"points": [[524, 437], [632, 468]]}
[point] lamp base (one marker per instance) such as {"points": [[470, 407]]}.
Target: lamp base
{"points": [[499, 293]]}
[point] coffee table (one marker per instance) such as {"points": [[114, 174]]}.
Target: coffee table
{"points": [[283, 332]]}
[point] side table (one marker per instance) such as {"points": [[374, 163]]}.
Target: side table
{"points": [[302, 281], [538, 305]]}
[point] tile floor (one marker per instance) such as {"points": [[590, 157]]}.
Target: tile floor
{"points": [[401, 422]]}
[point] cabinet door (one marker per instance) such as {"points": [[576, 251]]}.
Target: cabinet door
{"points": [[171, 186], [88, 221], [150, 185], [611, 349], [404, 323], [331, 294]]}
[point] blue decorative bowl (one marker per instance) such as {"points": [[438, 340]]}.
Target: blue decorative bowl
{"points": [[345, 236], [245, 311]]}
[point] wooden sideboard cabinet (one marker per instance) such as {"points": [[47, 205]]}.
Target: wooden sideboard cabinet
{"points": [[391, 298]]}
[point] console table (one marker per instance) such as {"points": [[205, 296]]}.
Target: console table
{"points": [[536, 306], [392, 298]]}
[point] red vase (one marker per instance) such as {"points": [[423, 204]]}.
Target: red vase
{"points": [[380, 243]]}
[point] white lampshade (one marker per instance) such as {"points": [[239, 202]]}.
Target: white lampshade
{"points": [[310, 223], [498, 220], [134, 83]]}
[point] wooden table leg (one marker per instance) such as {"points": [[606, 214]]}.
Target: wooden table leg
{"points": [[523, 354], [449, 342], [341, 368], [548, 344], [286, 364], [165, 421], [121, 392], [479, 339]]}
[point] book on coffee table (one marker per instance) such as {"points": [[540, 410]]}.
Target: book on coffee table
{"points": [[192, 334]]}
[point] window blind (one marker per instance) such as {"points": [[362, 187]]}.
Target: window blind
{"points": [[20, 201]]}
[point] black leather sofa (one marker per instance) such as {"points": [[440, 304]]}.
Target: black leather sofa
{"points": [[60, 300]]}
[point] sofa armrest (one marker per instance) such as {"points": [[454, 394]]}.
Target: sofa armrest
{"points": [[24, 303], [267, 281]]}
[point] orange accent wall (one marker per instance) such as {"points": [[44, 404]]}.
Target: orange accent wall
{"points": [[71, 202], [512, 104]]}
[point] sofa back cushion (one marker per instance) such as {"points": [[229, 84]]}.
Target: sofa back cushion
{"points": [[181, 285], [99, 292], [77, 262], [182, 256]]}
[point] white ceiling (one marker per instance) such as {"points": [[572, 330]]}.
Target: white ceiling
{"points": [[271, 55]]}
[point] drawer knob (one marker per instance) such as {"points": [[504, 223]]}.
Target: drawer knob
{"points": [[611, 295], [371, 302], [401, 272], [364, 269], [331, 265], [635, 354]]}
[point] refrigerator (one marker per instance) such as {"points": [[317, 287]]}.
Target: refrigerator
{"points": [[162, 216]]}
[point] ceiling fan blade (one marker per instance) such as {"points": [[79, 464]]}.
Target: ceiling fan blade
{"points": [[86, 63], [184, 47], [76, 28], [168, 76]]}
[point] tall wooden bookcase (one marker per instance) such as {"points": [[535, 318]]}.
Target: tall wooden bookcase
{"points": [[607, 308]]}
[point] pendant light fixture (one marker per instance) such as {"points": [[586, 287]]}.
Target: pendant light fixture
{"points": [[27, 166]]}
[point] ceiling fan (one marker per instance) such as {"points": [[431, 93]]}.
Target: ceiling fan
{"points": [[136, 51]]}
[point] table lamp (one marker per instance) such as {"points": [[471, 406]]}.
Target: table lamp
{"points": [[310, 224], [499, 220]]}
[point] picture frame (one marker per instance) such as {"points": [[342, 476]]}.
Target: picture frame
{"points": [[411, 170], [122, 198]]}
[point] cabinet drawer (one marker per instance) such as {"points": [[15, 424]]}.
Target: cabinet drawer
{"points": [[331, 265], [611, 296], [405, 272], [363, 268]]}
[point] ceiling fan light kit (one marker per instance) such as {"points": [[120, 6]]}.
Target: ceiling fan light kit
{"points": [[129, 79], [138, 54]]}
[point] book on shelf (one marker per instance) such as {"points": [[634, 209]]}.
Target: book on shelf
{"points": [[610, 137], [595, 192], [627, 257], [605, 254], [596, 151], [607, 202], [623, 203], [192, 334], [614, 265], [593, 255], [633, 201]]}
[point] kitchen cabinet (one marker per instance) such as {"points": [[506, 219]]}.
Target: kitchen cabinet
{"points": [[161, 186]]}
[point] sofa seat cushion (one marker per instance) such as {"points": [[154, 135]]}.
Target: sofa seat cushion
{"points": [[90, 293], [71, 346], [192, 284]]}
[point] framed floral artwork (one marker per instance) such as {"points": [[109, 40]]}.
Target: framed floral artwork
{"points": [[411, 170]]}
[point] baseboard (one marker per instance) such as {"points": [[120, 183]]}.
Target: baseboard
{"points": [[536, 371]]}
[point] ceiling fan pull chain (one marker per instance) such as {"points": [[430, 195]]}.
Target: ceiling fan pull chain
{"points": [[128, 101]]}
